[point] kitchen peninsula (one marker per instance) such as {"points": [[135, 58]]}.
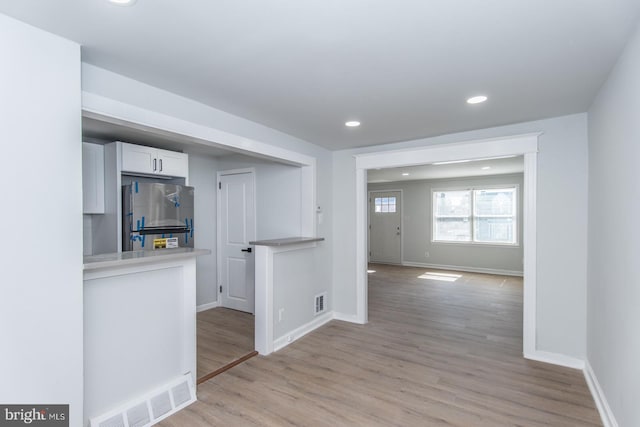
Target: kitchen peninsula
{"points": [[139, 333]]}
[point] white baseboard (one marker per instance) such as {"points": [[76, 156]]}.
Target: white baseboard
{"points": [[303, 330], [207, 306], [556, 359], [463, 268], [351, 318], [608, 419]]}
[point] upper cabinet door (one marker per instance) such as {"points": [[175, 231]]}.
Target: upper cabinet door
{"points": [[171, 163], [92, 178], [140, 159]]}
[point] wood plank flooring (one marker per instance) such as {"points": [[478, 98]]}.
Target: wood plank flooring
{"points": [[437, 351], [224, 335]]}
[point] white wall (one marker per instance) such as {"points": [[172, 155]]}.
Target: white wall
{"points": [[292, 270], [202, 176], [562, 226], [417, 220], [278, 189], [41, 302], [613, 312], [278, 195], [87, 234]]}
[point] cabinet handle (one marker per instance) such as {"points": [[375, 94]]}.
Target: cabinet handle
{"points": [[155, 164], [160, 165]]}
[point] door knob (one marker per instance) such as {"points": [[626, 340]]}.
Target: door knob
{"points": [[246, 250]]}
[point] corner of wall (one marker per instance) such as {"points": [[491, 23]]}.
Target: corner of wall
{"points": [[608, 419]]}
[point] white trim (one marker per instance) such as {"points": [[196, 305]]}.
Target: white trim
{"points": [[207, 306], [401, 221], [526, 144], [111, 111], [303, 330], [606, 414], [462, 268], [236, 172], [351, 318], [555, 359], [507, 146], [529, 242], [362, 294]]}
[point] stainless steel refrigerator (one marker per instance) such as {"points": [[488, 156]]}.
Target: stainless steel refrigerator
{"points": [[155, 211]]}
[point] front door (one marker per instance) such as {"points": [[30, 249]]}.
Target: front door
{"points": [[384, 227], [237, 229]]}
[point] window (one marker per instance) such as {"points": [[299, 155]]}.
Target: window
{"points": [[452, 216], [385, 204], [494, 215], [486, 215]]}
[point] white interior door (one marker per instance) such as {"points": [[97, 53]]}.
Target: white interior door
{"points": [[385, 234], [237, 229]]}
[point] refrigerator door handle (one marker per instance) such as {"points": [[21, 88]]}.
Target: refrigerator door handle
{"points": [[160, 165]]}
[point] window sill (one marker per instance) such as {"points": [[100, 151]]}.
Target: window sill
{"points": [[477, 244]]}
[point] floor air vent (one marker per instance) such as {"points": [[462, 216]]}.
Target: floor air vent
{"points": [[320, 303], [151, 408]]}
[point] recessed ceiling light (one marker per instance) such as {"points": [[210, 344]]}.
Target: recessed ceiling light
{"points": [[405, 174], [352, 124], [476, 99], [499, 157], [451, 162], [484, 168], [473, 160], [123, 2]]}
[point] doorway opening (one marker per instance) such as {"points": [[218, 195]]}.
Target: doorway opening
{"points": [[522, 145]]}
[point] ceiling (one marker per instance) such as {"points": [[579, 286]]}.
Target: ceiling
{"points": [[496, 166], [403, 68]]}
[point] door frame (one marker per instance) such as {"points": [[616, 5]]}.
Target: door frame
{"points": [[219, 174], [517, 145], [401, 222]]}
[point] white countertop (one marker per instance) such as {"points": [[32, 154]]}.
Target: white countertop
{"points": [[118, 259], [286, 241]]}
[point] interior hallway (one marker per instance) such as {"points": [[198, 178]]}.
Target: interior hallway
{"points": [[442, 348]]}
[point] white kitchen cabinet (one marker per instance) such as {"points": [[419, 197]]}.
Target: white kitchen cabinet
{"points": [[138, 158], [172, 163], [154, 161], [92, 178]]}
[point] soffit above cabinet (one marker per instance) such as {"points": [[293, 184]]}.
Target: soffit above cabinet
{"points": [[101, 131]]}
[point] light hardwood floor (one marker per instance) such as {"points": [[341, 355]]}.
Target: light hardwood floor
{"points": [[434, 352], [224, 336]]}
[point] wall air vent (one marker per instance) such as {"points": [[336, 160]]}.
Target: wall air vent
{"points": [[320, 304], [150, 408]]}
